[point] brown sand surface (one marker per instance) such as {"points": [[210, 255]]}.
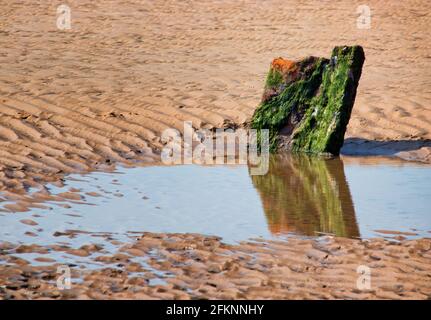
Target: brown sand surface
{"points": [[104, 91], [73, 100], [191, 266]]}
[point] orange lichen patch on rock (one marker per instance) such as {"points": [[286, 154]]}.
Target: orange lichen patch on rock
{"points": [[284, 66], [288, 69]]}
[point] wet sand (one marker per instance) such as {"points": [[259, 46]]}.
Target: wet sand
{"points": [[191, 266], [104, 90]]}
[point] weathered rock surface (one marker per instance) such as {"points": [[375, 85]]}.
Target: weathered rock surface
{"points": [[307, 104]]}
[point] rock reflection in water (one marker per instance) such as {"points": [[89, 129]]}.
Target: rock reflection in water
{"points": [[306, 195]]}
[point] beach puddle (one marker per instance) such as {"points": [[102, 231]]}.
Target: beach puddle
{"points": [[349, 197]]}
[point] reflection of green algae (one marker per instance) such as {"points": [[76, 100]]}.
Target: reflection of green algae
{"points": [[307, 194]]}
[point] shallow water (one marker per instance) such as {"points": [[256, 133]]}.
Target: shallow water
{"points": [[351, 197]]}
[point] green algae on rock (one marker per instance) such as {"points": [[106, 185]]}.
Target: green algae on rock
{"points": [[307, 104]]}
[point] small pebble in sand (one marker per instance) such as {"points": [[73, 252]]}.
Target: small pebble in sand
{"points": [[29, 222], [93, 194], [78, 252], [73, 215], [70, 196], [44, 259]]}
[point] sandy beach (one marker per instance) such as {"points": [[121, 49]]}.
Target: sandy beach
{"points": [[100, 95], [104, 90], [200, 267]]}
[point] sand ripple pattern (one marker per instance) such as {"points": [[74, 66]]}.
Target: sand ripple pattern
{"points": [[192, 266], [104, 91]]}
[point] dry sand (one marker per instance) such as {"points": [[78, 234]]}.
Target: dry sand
{"points": [[103, 91], [191, 266]]}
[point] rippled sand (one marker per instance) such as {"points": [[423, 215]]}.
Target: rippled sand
{"points": [[106, 89], [191, 266]]}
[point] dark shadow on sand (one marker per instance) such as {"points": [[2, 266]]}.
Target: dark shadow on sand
{"points": [[364, 147]]}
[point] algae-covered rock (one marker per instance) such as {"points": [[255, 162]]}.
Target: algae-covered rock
{"points": [[307, 104]]}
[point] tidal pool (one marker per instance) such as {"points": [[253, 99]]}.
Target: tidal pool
{"points": [[349, 197]]}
